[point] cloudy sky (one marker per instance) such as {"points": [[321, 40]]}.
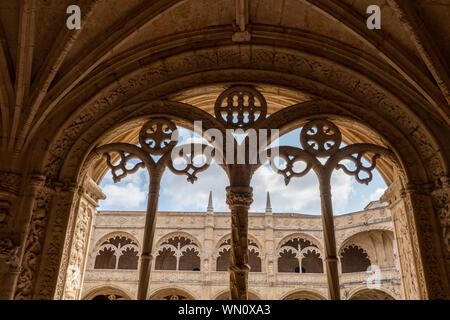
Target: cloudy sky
{"points": [[300, 196]]}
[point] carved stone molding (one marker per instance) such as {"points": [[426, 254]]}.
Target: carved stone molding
{"points": [[33, 245], [10, 182], [9, 253], [427, 245], [441, 203]]}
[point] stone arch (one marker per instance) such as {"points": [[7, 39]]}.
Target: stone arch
{"points": [[228, 236], [225, 295], [322, 95], [107, 290], [354, 259], [68, 150], [222, 254], [178, 251], [302, 235], [349, 235], [303, 295], [116, 251], [114, 234], [380, 251], [171, 293], [371, 294], [178, 234], [299, 253]]}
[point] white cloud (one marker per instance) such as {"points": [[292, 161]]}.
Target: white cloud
{"points": [[301, 195], [178, 194], [377, 194], [129, 194]]}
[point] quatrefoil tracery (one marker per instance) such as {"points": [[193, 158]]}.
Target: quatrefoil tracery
{"points": [[189, 153], [155, 136], [359, 167], [158, 137], [120, 170], [321, 138], [291, 156], [240, 107]]}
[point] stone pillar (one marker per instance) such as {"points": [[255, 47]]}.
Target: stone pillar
{"points": [[441, 202], [329, 238], [14, 227], [73, 273], [59, 224], [33, 245], [239, 199], [147, 257], [429, 253], [418, 242], [9, 239]]}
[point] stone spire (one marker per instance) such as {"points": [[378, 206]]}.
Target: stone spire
{"points": [[210, 207], [268, 204]]}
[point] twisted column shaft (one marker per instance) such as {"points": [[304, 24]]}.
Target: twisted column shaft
{"points": [[239, 200]]}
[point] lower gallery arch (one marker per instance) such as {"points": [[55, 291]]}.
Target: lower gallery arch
{"points": [[223, 254], [303, 295], [299, 253], [371, 294], [225, 295], [371, 247], [73, 136], [107, 293], [174, 293]]}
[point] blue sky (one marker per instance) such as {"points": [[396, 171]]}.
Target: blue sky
{"points": [[300, 196]]}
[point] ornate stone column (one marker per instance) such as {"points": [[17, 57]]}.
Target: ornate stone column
{"points": [[239, 199], [9, 243], [59, 224], [73, 270], [441, 202], [429, 252], [420, 254], [14, 227]]}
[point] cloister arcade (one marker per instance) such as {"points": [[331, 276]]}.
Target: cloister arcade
{"points": [[266, 254]]}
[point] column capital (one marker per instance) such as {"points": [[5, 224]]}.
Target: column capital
{"points": [[239, 196]]}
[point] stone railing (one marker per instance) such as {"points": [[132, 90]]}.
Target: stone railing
{"points": [[300, 278], [111, 275], [176, 276], [223, 276], [362, 277]]}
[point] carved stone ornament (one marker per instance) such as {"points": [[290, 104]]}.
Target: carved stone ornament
{"points": [[9, 253], [240, 107], [4, 213], [237, 196]]}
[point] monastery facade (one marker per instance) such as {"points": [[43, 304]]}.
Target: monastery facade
{"points": [[192, 253]]}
